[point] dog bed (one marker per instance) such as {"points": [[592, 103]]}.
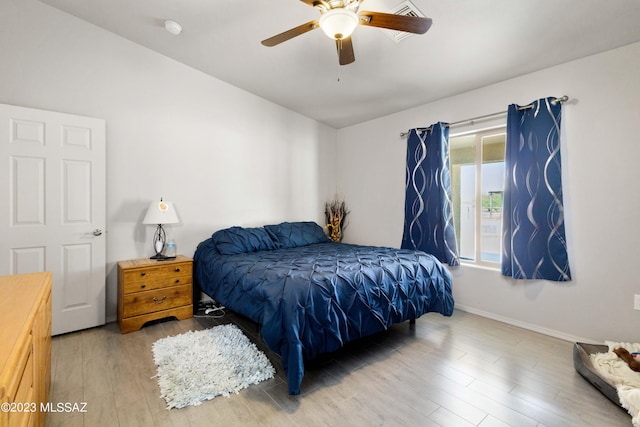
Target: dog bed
{"points": [[584, 366]]}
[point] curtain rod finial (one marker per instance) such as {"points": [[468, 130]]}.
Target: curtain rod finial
{"points": [[562, 99]]}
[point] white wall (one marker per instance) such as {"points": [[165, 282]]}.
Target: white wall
{"points": [[601, 153], [223, 156]]}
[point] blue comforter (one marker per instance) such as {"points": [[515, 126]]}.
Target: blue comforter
{"points": [[313, 299]]}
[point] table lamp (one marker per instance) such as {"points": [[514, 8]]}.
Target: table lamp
{"points": [[160, 213]]}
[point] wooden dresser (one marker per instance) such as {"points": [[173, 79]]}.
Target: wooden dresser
{"points": [[25, 348], [150, 290]]}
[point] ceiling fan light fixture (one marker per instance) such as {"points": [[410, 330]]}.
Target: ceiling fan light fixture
{"points": [[338, 23]]}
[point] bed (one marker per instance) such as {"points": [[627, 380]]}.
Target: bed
{"points": [[311, 295]]}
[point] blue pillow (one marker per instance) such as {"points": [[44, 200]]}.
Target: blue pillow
{"points": [[294, 234], [238, 240]]}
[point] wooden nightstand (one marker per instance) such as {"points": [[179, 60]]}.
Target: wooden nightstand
{"points": [[150, 290]]}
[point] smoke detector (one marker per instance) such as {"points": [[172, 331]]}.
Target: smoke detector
{"points": [[173, 27]]}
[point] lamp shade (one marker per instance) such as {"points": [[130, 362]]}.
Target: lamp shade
{"points": [[339, 23], [161, 212]]}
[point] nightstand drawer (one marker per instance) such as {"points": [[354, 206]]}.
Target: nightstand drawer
{"points": [[156, 300], [156, 277]]}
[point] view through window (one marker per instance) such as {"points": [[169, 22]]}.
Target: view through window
{"points": [[477, 178]]}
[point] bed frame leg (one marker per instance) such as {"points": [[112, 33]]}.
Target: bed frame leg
{"points": [[412, 322]]}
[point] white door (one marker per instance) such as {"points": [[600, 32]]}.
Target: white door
{"points": [[52, 208]]}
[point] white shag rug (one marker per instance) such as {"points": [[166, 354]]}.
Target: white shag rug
{"points": [[617, 373], [198, 366]]}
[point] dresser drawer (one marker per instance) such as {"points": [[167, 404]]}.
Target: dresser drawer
{"points": [[156, 300], [23, 397], [16, 378], [156, 277], [25, 388]]}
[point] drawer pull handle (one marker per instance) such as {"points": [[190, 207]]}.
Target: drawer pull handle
{"points": [[177, 280], [159, 301], [177, 270], [143, 286], [143, 274]]}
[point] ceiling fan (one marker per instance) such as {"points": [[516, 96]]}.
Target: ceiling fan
{"points": [[339, 18]]}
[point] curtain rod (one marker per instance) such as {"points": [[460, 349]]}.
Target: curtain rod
{"points": [[554, 101]]}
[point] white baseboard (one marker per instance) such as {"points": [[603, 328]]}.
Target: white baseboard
{"points": [[535, 328]]}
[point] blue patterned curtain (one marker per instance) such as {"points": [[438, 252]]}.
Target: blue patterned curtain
{"points": [[428, 215], [534, 244]]}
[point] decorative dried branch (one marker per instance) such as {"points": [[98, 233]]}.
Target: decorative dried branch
{"points": [[335, 215]]}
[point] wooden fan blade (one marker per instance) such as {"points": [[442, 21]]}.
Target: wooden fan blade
{"points": [[408, 24], [345, 51], [289, 34]]}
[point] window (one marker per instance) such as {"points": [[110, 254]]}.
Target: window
{"points": [[477, 177]]}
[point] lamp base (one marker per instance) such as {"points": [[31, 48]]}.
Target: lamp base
{"points": [[159, 239], [160, 257]]}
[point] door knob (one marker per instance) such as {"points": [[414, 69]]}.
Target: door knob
{"points": [[97, 232]]}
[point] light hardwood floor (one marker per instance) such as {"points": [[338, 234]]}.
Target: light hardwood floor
{"points": [[463, 370]]}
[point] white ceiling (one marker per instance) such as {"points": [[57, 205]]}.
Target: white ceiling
{"points": [[472, 43]]}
